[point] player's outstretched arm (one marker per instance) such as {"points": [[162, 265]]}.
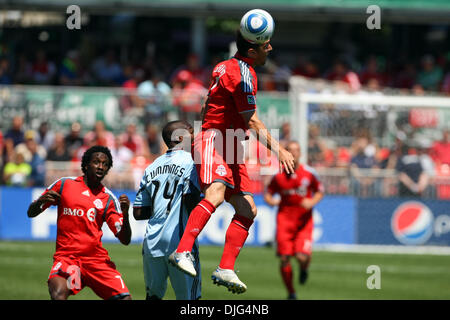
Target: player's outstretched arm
{"points": [[125, 233], [255, 124], [36, 207]]}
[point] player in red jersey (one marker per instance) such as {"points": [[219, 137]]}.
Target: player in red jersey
{"points": [[299, 192], [83, 205], [229, 111]]}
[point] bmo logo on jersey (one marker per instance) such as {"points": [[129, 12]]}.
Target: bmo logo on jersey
{"points": [[90, 214]]}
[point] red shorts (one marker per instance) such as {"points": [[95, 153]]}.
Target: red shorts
{"points": [[99, 274], [217, 161], [294, 233]]}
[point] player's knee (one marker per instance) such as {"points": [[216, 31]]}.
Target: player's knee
{"points": [[284, 261], [58, 293]]}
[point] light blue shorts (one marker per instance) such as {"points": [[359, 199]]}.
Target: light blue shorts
{"points": [[158, 269]]}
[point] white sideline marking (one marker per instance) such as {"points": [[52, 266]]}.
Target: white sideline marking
{"points": [[383, 249]]}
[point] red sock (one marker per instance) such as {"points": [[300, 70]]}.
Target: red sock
{"points": [[197, 220], [286, 274], [235, 237]]}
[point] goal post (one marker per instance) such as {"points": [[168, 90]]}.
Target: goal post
{"points": [[301, 99]]}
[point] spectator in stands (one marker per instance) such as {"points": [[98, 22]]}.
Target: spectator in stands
{"points": [[16, 172], [306, 68], [73, 139], [24, 148], [132, 140], [194, 67], [341, 72], [412, 177], [43, 70], [155, 94], [285, 133], [122, 155], [24, 70], [131, 100], [15, 133], [59, 152], [5, 72], [371, 72], [188, 96], [100, 136], [71, 72], [44, 135], [363, 158], [405, 78], [316, 147], [430, 76], [106, 70], [440, 150], [37, 163], [153, 140]]}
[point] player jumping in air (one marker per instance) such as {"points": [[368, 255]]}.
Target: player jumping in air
{"points": [[300, 192], [231, 105], [168, 192], [83, 205]]}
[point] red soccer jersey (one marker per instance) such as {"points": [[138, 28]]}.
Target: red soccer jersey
{"points": [[231, 93], [303, 183], [81, 213]]}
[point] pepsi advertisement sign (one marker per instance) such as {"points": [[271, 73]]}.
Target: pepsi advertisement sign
{"points": [[406, 222]]}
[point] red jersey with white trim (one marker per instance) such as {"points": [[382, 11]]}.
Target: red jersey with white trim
{"points": [[81, 213], [303, 183], [231, 93]]}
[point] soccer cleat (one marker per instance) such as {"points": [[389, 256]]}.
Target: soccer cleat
{"points": [[292, 296], [183, 261], [303, 276], [229, 279]]}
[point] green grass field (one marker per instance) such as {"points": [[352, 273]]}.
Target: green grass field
{"points": [[24, 267]]}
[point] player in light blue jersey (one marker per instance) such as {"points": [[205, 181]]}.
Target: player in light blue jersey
{"points": [[168, 192]]}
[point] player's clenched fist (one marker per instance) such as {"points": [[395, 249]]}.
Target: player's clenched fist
{"points": [[124, 204]]}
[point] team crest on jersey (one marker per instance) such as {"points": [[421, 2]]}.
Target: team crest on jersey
{"points": [[98, 204], [220, 70], [305, 182], [251, 99], [221, 171]]}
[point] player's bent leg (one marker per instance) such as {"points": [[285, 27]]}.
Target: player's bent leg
{"points": [[235, 237], [199, 217], [58, 288]]}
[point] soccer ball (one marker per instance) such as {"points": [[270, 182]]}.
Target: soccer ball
{"points": [[257, 26]]}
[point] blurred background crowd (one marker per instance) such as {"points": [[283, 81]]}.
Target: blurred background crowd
{"points": [[160, 68]]}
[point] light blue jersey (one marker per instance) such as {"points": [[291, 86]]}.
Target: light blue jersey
{"points": [[162, 187]]}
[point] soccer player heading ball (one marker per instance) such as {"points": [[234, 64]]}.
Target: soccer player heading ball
{"points": [[83, 205], [230, 109]]}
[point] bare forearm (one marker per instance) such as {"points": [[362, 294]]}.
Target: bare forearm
{"points": [[125, 233], [263, 135]]}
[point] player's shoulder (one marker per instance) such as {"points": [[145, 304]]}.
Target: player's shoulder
{"points": [[61, 181], [310, 170]]}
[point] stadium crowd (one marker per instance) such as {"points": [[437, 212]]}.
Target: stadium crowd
{"points": [[430, 73], [25, 154]]}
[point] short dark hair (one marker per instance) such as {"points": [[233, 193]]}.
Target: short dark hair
{"points": [[243, 45], [87, 156], [170, 127]]}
